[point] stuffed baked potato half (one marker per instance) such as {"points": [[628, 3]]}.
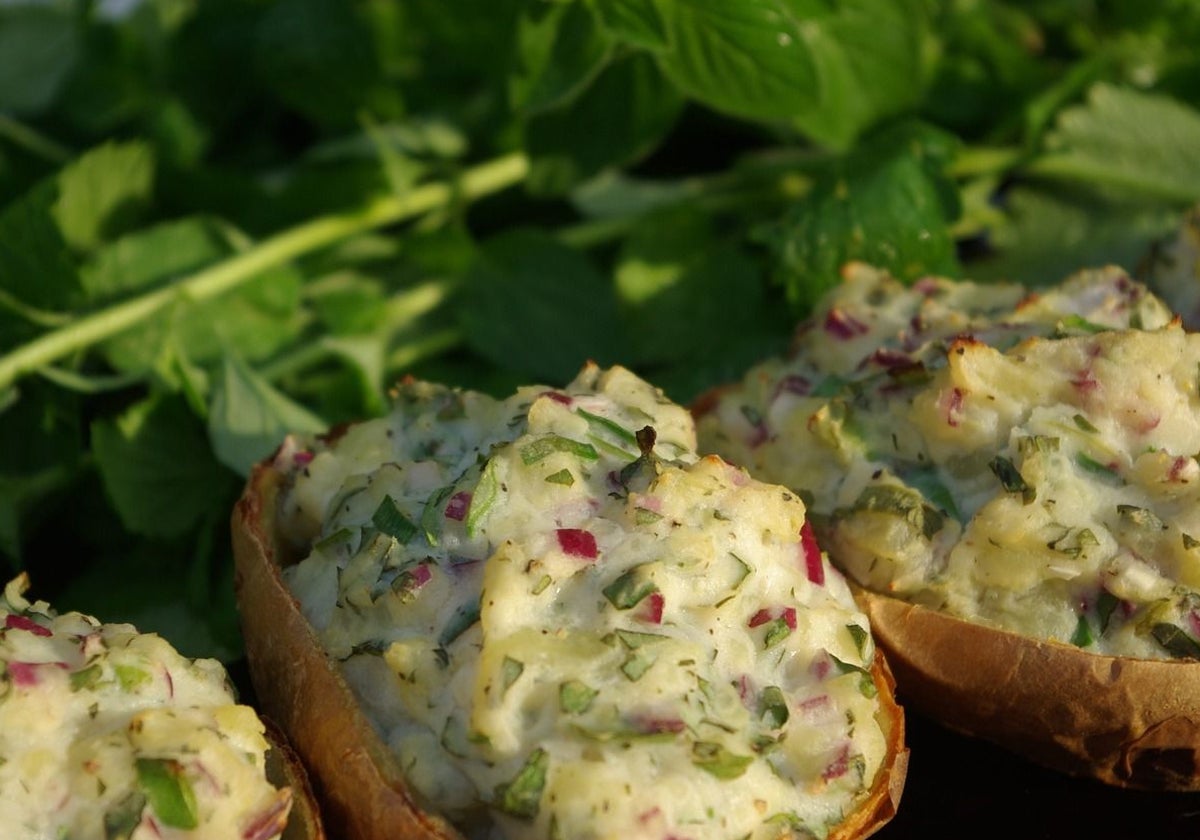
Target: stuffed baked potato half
{"points": [[523, 617], [1010, 478], [107, 733]]}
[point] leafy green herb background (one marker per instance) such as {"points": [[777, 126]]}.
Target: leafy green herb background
{"points": [[226, 219]]}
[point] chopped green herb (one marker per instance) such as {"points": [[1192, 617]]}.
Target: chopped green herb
{"points": [[645, 516], [860, 637], [1093, 466], [1175, 642], [603, 423], [341, 535], [1141, 518], [431, 516], [930, 484], [484, 498], [714, 759], [454, 738], [86, 678], [866, 683], [533, 452], [388, 519], [121, 819], [772, 707], [130, 677], [628, 590], [1074, 542], [522, 796], [777, 631], [744, 569], [904, 502], [1084, 424], [1033, 444], [1077, 324], [575, 697], [563, 477], [169, 792], [633, 639], [1011, 478], [829, 386], [543, 582], [510, 672], [1106, 602], [464, 617], [1082, 637], [1189, 542], [635, 665]]}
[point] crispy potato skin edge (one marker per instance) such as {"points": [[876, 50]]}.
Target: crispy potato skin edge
{"points": [[360, 789], [1127, 722], [359, 784]]}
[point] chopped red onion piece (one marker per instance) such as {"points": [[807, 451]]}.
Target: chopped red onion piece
{"points": [[21, 622], [458, 506], [813, 563], [576, 542]]}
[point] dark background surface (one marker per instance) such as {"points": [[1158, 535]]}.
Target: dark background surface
{"points": [[961, 787]]}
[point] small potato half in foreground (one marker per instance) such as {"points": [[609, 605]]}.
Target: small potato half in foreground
{"points": [[588, 720]]}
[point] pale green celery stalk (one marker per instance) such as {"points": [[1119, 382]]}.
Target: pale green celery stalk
{"points": [[230, 273]]}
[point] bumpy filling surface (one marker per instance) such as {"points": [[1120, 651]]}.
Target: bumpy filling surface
{"points": [[108, 734], [557, 614], [1020, 459]]}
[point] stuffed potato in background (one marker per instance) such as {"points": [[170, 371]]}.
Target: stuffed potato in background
{"points": [[1017, 466]]}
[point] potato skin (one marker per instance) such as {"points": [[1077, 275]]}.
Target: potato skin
{"points": [[359, 784], [1127, 722], [284, 768], [360, 788]]}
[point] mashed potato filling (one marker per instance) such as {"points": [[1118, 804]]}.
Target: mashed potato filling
{"points": [[1021, 459], [566, 624], [110, 734]]}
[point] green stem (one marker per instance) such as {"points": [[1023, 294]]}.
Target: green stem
{"points": [[407, 355], [33, 142], [229, 274], [984, 160], [1071, 168]]}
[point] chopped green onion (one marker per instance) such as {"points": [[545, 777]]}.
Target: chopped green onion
{"points": [[610, 426], [533, 452], [714, 759], [464, 617], [522, 796], [510, 671], [632, 639], [388, 519], [866, 683], [563, 477], [644, 516], [635, 665], [1093, 466], [1175, 642], [1141, 518], [169, 792], [124, 817], [628, 590], [1084, 424], [1082, 637], [777, 631], [130, 677], [860, 637], [484, 497], [1011, 478], [1189, 542], [1075, 324], [772, 707], [575, 697], [1031, 444], [431, 516], [543, 582], [1105, 604], [86, 678]]}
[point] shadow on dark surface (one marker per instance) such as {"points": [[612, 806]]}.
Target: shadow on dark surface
{"points": [[961, 787]]}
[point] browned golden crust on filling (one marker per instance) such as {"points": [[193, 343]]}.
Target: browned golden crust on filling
{"points": [[358, 782], [1127, 722]]}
